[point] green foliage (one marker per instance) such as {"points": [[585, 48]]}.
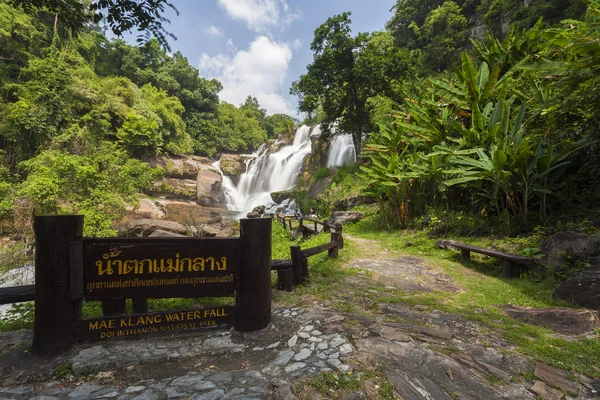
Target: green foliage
{"points": [[19, 316], [98, 187], [121, 15]]}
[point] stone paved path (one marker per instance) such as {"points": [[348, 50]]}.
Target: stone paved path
{"points": [[217, 364]]}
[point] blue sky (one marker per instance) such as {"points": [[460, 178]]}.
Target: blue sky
{"points": [[259, 47]]}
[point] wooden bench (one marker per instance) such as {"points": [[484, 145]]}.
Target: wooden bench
{"points": [[511, 262]]}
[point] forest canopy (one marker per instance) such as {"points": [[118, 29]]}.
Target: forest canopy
{"points": [[80, 114]]}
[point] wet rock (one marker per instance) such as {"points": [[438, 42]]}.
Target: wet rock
{"points": [[278, 197], [209, 192], [582, 289], [345, 217], [256, 212], [568, 321], [233, 165]]}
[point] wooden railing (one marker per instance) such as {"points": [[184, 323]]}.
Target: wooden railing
{"points": [[312, 225], [289, 273], [294, 272], [17, 294]]}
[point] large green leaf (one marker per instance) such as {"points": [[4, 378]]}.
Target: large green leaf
{"points": [[463, 179]]}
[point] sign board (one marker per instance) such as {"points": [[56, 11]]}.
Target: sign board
{"points": [[141, 324], [159, 267]]}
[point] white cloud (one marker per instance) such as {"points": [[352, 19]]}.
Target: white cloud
{"points": [[260, 15], [213, 31], [259, 71], [296, 44]]}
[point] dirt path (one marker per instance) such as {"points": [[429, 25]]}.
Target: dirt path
{"points": [[429, 354]]}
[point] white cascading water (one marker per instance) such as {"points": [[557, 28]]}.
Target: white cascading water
{"points": [[341, 151], [267, 173]]}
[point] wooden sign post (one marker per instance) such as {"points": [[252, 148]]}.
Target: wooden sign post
{"points": [[70, 268], [55, 311]]}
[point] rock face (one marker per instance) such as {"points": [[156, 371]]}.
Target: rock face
{"points": [[568, 321], [345, 217], [179, 188], [320, 186], [565, 247], [233, 165], [180, 167], [583, 288], [208, 187]]}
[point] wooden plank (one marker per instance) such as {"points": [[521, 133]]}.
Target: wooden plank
{"points": [[277, 265], [488, 252], [160, 267], [17, 294], [141, 324], [319, 249]]}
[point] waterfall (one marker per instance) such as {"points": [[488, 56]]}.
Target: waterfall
{"points": [[341, 151], [267, 173]]}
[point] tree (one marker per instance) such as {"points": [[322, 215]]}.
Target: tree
{"points": [[121, 15], [278, 124], [346, 73], [445, 31]]}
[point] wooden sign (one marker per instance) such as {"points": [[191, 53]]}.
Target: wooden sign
{"points": [[142, 324], [159, 267]]}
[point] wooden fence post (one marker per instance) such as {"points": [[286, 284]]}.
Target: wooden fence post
{"points": [[296, 254], [333, 252], [338, 228], [285, 279], [253, 299], [54, 310]]}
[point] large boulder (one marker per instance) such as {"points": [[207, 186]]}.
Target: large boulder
{"points": [[345, 217], [583, 288], [278, 197], [233, 165], [146, 227], [190, 213], [257, 212], [225, 228], [209, 192], [565, 248], [147, 208], [568, 321], [185, 167]]}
